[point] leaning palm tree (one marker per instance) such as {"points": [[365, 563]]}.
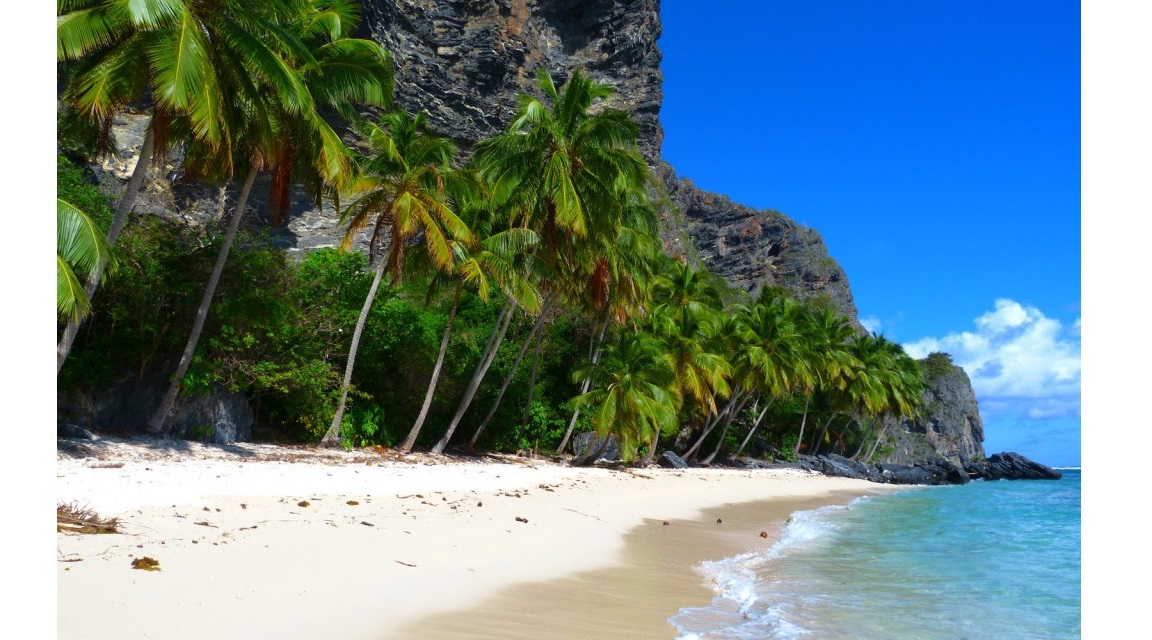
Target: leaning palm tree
{"points": [[565, 169], [633, 396], [261, 119], [169, 55], [403, 197], [490, 262], [80, 247]]}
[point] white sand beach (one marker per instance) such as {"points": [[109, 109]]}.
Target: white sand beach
{"points": [[257, 541]]}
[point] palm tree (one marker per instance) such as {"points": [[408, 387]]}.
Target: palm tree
{"points": [[491, 262], [80, 246], [904, 386], [404, 196], [172, 54], [699, 374], [633, 395], [566, 171], [261, 124], [618, 286]]}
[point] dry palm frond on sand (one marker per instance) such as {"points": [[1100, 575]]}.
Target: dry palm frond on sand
{"points": [[71, 518]]}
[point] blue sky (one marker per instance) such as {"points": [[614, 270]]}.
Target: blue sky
{"points": [[936, 148]]}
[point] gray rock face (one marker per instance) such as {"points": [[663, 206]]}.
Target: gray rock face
{"points": [[216, 417], [950, 427], [466, 61], [1012, 466], [588, 448], [752, 248]]}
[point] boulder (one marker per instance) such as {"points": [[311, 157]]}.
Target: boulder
{"points": [[588, 448], [670, 460], [217, 416], [1011, 466]]}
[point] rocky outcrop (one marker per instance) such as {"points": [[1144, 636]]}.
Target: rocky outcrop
{"points": [[930, 471], [751, 248], [465, 61], [933, 470], [217, 417], [949, 425], [1011, 466]]}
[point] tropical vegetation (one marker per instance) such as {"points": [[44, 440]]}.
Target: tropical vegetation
{"points": [[504, 298]]}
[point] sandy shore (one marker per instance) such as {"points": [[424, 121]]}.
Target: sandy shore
{"points": [[252, 542]]}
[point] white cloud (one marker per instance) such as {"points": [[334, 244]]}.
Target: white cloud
{"points": [[1019, 355], [872, 324]]}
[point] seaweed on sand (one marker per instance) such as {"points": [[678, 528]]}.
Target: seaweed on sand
{"points": [[71, 518]]}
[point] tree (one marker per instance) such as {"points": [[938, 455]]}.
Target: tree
{"points": [[80, 246], [170, 54], [403, 196], [565, 170], [492, 262], [904, 387], [633, 394], [262, 118]]}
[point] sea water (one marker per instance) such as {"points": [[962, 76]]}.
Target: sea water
{"points": [[982, 560]]}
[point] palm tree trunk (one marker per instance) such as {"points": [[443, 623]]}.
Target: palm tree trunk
{"points": [[515, 365], [800, 437], [727, 425], [709, 426], [879, 437], [411, 439], [481, 368], [755, 425], [157, 423], [823, 432], [127, 201], [532, 378], [863, 434], [332, 436], [594, 348], [651, 454]]}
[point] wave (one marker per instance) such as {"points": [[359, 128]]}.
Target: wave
{"points": [[737, 611]]}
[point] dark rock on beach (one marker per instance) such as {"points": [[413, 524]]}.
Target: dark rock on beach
{"points": [[672, 461], [73, 432], [216, 417], [1011, 466], [588, 448]]}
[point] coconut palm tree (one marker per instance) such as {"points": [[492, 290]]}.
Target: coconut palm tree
{"points": [[403, 197], [80, 246], [490, 261], [633, 395], [261, 120], [904, 385], [171, 55], [566, 170]]}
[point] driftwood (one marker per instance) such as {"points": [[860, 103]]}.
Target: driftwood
{"points": [[71, 518]]}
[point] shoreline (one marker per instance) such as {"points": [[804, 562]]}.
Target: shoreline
{"points": [[373, 547]]}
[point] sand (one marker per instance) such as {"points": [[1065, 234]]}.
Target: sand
{"points": [[256, 541]]}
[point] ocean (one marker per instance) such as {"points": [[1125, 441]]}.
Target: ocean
{"points": [[982, 560]]}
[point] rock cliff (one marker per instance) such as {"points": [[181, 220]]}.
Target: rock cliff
{"points": [[950, 425]]}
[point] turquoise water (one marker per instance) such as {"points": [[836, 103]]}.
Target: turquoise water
{"points": [[982, 560]]}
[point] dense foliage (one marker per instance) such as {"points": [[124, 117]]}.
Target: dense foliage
{"points": [[510, 298]]}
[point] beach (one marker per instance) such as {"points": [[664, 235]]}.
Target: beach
{"points": [[262, 541]]}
